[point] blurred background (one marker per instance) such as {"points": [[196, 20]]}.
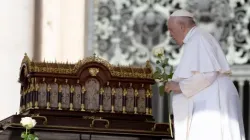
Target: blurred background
{"points": [[120, 31]]}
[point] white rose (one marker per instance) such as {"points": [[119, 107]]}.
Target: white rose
{"points": [[158, 51], [28, 122]]}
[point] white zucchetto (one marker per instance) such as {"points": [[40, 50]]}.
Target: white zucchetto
{"points": [[181, 13]]}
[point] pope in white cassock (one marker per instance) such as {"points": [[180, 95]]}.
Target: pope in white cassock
{"points": [[205, 101]]}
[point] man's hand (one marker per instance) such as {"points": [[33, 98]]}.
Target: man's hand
{"points": [[172, 86]]}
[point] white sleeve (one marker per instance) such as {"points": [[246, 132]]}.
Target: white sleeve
{"points": [[197, 82]]}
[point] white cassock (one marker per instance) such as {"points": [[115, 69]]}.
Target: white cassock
{"points": [[208, 107]]}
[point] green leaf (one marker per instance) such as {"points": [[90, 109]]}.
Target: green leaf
{"points": [[163, 65], [162, 90], [158, 62], [165, 77], [165, 62], [171, 72], [23, 135], [171, 69], [156, 75], [158, 69], [31, 137], [159, 55]]}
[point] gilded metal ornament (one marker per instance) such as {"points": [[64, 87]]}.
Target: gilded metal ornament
{"points": [[93, 71]]}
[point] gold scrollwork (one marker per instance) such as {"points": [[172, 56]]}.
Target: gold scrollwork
{"points": [[101, 108], [37, 87], [45, 122], [125, 92], [48, 102], [93, 71], [101, 91], [147, 111], [155, 125], [124, 110], [60, 92], [71, 107], [113, 91], [112, 106], [147, 96], [91, 117], [147, 93], [60, 88], [136, 92], [83, 90], [103, 120], [150, 96], [31, 92], [36, 105], [48, 88], [59, 106], [67, 68], [72, 89], [82, 107]]}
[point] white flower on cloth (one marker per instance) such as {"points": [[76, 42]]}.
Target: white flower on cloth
{"points": [[158, 51], [28, 122]]}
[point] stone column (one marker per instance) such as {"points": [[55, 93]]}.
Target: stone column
{"points": [[63, 30], [241, 93], [17, 20]]}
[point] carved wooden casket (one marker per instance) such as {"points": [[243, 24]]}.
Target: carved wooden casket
{"points": [[91, 85], [91, 95]]}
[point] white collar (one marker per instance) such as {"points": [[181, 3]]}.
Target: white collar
{"points": [[188, 35]]}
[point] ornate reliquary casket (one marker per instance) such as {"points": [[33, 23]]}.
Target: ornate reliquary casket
{"points": [[89, 96], [91, 85]]}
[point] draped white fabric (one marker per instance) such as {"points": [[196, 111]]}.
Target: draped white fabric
{"points": [[189, 85], [202, 53], [209, 107]]}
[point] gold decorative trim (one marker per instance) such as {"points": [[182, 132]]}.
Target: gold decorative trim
{"points": [[45, 122], [103, 120], [101, 108], [48, 106], [123, 131], [82, 107], [90, 117], [71, 107], [124, 110], [145, 72], [155, 125], [170, 126], [59, 106], [112, 109], [101, 91], [150, 111], [113, 91], [147, 111], [36, 105], [93, 71]]}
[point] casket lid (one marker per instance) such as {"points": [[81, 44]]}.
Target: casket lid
{"points": [[28, 66]]}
